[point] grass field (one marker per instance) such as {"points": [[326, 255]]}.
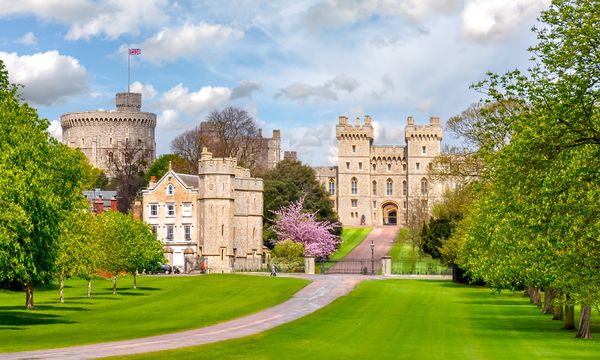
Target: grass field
{"points": [[161, 304], [351, 237], [405, 260], [411, 319]]}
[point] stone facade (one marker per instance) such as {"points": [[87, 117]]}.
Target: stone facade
{"points": [[215, 216], [101, 134], [382, 185]]}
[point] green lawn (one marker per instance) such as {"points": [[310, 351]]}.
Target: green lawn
{"points": [[405, 260], [351, 237], [411, 319], [161, 304]]}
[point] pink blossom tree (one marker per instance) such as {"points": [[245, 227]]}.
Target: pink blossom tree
{"points": [[302, 227]]}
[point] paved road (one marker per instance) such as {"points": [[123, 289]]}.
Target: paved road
{"points": [[320, 292], [383, 237]]}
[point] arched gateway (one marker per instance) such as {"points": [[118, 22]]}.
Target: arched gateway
{"points": [[390, 213]]}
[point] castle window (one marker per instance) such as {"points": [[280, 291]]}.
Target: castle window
{"points": [[403, 167], [82, 141], [347, 165], [171, 209], [110, 156], [331, 187], [170, 232], [404, 204], [390, 187], [139, 142], [404, 187], [153, 209], [222, 230], [187, 231], [374, 167], [389, 167], [110, 141], [187, 210], [418, 166], [354, 149], [424, 149], [170, 189], [354, 203], [354, 186], [374, 187], [423, 186], [359, 166], [374, 204]]}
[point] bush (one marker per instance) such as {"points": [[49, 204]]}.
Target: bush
{"points": [[287, 256]]}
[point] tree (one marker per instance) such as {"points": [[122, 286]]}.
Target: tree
{"points": [[294, 224], [128, 165], [40, 185], [287, 254], [94, 178], [177, 163], [188, 146], [287, 183], [231, 132]]}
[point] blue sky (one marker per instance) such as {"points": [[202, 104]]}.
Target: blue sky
{"points": [[293, 65]]}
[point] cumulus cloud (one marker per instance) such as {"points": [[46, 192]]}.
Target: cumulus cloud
{"points": [[315, 145], [55, 10], [55, 129], [195, 103], [28, 39], [327, 91], [245, 89], [387, 85], [147, 90], [490, 19], [167, 120], [184, 41], [47, 77]]}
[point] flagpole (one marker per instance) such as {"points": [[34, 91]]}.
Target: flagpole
{"points": [[128, 68]]}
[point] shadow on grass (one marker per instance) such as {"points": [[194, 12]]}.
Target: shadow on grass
{"points": [[11, 319], [42, 308]]}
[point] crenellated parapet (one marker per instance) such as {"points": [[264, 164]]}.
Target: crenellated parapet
{"points": [[345, 131], [388, 153], [104, 118], [431, 131]]}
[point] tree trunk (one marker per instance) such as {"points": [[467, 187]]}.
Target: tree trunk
{"points": [[61, 288], [569, 318], [29, 295], [534, 296], [584, 323], [549, 295], [558, 313], [89, 288], [134, 280], [114, 284]]}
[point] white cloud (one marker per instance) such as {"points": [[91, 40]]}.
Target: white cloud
{"points": [[245, 89], [172, 43], [28, 39], [167, 120], [491, 19], [327, 91], [47, 77], [55, 129], [195, 103], [316, 145], [56, 10], [147, 90]]}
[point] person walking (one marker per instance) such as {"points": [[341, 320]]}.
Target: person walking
{"points": [[273, 270]]}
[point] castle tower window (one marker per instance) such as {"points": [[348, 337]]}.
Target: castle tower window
{"points": [[170, 189], [354, 149], [359, 166], [374, 204], [404, 204], [82, 141], [424, 149], [374, 187], [354, 203], [354, 186], [347, 165], [389, 167], [110, 156], [403, 167], [404, 187], [331, 187], [390, 187], [374, 167], [423, 186], [418, 166], [110, 141]]}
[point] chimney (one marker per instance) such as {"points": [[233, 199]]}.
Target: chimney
{"points": [[113, 203], [152, 181], [98, 205]]}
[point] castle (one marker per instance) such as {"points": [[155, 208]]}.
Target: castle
{"points": [[380, 184], [102, 135], [213, 217]]}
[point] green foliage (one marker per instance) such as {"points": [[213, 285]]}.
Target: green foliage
{"points": [[287, 183], [93, 177], [40, 185], [288, 249], [161, 166]]}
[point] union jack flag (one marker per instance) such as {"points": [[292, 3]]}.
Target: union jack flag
{"points": [[135, 51]]}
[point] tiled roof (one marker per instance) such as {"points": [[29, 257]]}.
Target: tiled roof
{"points": [[188, 180]]}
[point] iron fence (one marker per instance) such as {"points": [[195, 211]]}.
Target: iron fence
{"points": [[419, 267], [350, 266]]}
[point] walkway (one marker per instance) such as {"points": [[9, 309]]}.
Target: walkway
{"points": [[383, 237], [319, 293]]}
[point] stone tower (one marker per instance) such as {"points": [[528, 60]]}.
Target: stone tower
{"points": [[101, 135], [354, 148], [423, 144]]}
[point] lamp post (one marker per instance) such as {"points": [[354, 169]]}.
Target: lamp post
{"points": [[372, 258]]}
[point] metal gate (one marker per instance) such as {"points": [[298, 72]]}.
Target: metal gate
{"points": [[350, 266]]}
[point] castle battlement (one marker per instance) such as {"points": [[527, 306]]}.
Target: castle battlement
{"points": [[345, 131], [431, 131], [102, 118], [248, 184]]}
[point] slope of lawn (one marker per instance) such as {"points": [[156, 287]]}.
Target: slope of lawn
{"points": [[411, 319], [351, 237], [406, 260], [161, 304]]}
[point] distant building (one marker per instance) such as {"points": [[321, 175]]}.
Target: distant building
{"points": [[101, 135], [214, 216], [290, 155], [101, 200], [382, 184]]}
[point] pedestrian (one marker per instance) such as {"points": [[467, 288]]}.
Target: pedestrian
{"points": [[273, 270]]}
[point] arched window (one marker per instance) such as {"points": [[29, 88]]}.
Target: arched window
{"points": [[404, 187], [374, 187], [390, 187], [170, 189], [389, 167], [331, 187], [423, 186], [403, 167], [354, 186]]}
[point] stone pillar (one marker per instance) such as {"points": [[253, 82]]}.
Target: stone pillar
{"points": [[309, 264], [169, 254], [386, 265]]}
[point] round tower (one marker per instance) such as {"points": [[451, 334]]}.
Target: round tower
{"points": [[103, 135]]}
